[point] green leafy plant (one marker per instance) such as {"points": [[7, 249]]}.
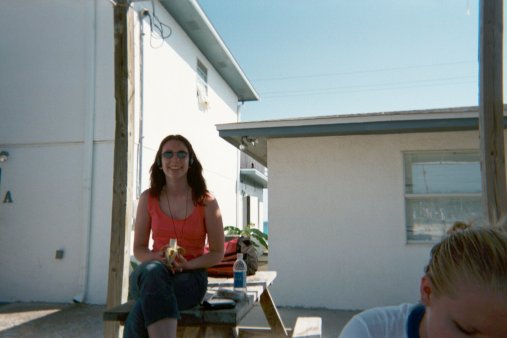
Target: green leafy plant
{"points": [[250, 232]]}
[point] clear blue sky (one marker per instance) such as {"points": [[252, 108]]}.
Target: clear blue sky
{"points": [[331, 57]]}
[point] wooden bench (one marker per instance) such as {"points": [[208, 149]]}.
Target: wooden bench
{"points": [[203, 322]]}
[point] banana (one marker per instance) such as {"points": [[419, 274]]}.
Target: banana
{"points": [[172, 251]]}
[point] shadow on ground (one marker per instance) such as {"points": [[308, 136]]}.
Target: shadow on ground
{"points": [[45, 320], [51, 320]]}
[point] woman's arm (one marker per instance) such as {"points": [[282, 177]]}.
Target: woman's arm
{"points": [[215, 230], [142, 232]]}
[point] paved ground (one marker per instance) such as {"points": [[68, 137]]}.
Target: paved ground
{"points": [[46, 320], [43, 320], [51, 320]]}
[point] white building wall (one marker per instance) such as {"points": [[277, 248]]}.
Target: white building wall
{"points": [[58, 121], [171, 107], [337, 220], [57, 112]]}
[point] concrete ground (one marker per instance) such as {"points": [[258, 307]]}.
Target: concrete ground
{"points": [[43, 320]]}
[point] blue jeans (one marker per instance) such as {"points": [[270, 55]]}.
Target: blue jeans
{"points": [[161, 294]]}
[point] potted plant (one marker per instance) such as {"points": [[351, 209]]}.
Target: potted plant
{"points": [[259, 239]]}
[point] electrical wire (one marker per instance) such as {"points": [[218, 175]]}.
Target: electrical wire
{"points": [[364, 71], [372, 87], [159, 30]]}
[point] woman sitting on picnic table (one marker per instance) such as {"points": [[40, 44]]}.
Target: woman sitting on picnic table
{"points": [[176, 206], [463, 292]]}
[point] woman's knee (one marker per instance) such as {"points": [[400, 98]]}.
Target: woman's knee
{"points": [[153, 271], [155, 266]]}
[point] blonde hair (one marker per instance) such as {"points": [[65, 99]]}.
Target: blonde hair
{"points": [[469, 254]]}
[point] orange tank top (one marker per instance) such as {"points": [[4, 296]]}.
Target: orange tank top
{"points": [[190, 232]]}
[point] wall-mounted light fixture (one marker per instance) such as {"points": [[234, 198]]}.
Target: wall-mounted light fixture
{"points": [[4, 155], [247, 141]]}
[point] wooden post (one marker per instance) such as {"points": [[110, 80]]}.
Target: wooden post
{"points": [[491, 109], [121, 218]]}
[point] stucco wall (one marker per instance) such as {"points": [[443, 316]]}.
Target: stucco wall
{"points": [[50, 105], [337, 222], [58, 120], [56, 91], [171, 107]]}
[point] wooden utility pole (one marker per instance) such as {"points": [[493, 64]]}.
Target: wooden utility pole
{"points": [[121, 218], [491, 109]]}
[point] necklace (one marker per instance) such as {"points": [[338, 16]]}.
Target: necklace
{"points": [[171, 214]]}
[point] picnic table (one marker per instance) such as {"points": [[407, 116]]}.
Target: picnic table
{"points": [[202, 322]]}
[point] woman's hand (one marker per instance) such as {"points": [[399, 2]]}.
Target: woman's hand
{"points": [[160, 255], [180, 264]]}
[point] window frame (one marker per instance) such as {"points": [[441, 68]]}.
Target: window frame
{"points": [[411, 196], [202, 74], [202, 86]]}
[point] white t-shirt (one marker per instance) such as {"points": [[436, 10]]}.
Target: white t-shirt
{"points": [[379, 322]]}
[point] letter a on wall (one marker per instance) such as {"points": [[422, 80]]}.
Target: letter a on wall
{"points": [[8, 197]]}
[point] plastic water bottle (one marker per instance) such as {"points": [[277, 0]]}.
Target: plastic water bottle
{"points": [[239, 270]]}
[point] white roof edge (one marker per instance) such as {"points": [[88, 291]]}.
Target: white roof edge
{"points": [[222, 44], [407, 115], [211, 45]]}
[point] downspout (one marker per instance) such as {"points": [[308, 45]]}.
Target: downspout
{"points": [[239, 196], [88, 155], [141, 15]]}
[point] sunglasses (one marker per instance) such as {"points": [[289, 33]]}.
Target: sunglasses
{"points": [[179, 154]]}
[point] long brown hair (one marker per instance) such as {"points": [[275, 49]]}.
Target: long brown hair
{"points": [[195, 179]]}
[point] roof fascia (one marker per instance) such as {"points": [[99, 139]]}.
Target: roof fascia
{"points": [[359, 128], [197, 26]]}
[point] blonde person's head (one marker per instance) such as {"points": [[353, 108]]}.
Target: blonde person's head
{"points": [[469, 254]]}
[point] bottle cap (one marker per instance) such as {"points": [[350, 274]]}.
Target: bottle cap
{"points": [[239, 256]]}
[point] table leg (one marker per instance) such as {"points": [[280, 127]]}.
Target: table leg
{"points": [[272, 315]]}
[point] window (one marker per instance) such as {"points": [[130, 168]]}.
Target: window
{"points": [[441, 188], [202, 86]]}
